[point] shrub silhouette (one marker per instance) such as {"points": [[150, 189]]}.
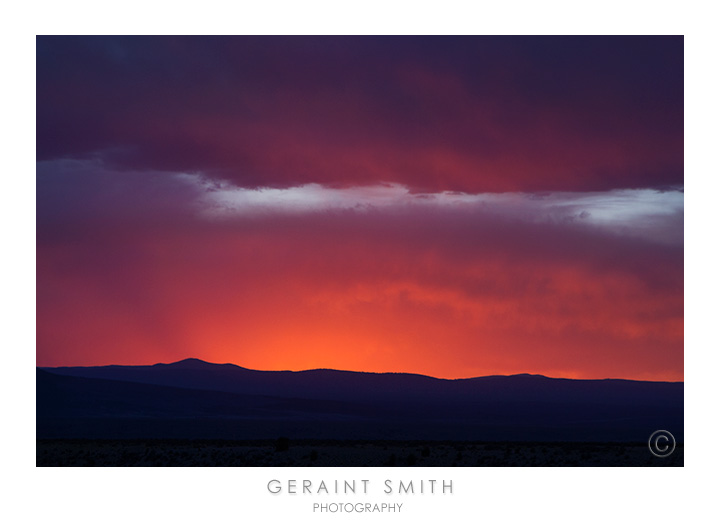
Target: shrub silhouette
{"points": [[282, 444]]}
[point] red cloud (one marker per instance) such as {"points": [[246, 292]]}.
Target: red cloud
{"points": [[444, 295]]}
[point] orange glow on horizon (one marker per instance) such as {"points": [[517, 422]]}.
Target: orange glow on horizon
{"points": [[296, 299]]}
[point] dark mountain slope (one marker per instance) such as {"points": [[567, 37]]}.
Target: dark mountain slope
{"points": [[195, 399]]}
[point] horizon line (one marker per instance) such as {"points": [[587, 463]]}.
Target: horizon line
{"points": [[353, 371]]}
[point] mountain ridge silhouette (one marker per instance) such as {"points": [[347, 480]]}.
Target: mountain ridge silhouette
{"points": [[197, 363], [193, 398]]}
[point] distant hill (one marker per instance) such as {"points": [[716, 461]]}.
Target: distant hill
{"points": [[197, 399]]}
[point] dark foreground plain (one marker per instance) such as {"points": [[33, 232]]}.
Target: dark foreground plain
{"points": [[197, 413], [286, 452]]}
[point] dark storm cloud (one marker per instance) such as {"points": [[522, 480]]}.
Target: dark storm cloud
{"points": [[432, 113]]}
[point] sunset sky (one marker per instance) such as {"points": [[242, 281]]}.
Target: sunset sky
{"points": [[451, 206]]}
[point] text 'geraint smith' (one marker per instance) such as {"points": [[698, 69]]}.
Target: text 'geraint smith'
{"points": [[296, 486]]}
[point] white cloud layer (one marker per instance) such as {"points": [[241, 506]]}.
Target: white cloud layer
{"points": [[648, 213]]}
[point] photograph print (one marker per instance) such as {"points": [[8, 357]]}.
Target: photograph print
{"points": [[359, 251]]}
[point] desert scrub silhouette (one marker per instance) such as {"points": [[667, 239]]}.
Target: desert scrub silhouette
{"points": [[282, 444]]}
